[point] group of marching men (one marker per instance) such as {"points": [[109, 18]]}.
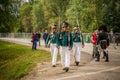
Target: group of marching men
{"points": [[64, 41]]}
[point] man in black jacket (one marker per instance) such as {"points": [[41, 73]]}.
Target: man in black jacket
{"points": [[103, 42], [39, 36], [45, 35]]}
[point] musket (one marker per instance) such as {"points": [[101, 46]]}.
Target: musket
{"points": [[69, 38], [80, 33]]}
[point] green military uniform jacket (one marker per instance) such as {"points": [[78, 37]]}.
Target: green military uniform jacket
{"points": [[52, 38], [77, 37], [103, 36], [64, 39]]}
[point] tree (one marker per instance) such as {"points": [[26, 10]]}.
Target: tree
{"points": [[38, 16], [82, 13], [25, 18], [55, 10], [112, 15], [41, 14], [8, 17]]}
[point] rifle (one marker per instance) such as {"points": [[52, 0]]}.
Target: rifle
{"points": [[68, 38], [80, 34]]}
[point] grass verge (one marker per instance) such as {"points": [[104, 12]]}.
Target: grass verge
{"points": [[17, 60]]}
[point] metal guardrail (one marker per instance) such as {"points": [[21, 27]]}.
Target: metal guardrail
{"points": [[114, 38], [15, 35], [87, 36], [28, 36]]}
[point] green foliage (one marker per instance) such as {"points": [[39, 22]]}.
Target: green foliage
{"points": [[89, 15], [38, 17], [7, 16], [83, 14], [55, 11], [112, 15], [17, 60], [41, 14], [25, 18]]}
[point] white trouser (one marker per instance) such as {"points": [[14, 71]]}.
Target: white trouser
{"points": [[77, 51], [54, 52], [65, 56]]}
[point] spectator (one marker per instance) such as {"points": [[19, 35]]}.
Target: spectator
{"points": [[32, 41], [94, 42], [39, 36], [35, 41], [45, 35]]}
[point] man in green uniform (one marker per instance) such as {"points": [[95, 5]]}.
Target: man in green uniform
{"points": [[65, 43], [53, 47], [103, 42], [78, 43]]}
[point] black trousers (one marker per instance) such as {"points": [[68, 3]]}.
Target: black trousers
{"points": [[102, 47]]}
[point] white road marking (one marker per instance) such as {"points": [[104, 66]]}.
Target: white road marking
{"points": [[85, 74]]}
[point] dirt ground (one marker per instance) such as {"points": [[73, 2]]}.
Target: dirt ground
{"points": [[44, 71]]}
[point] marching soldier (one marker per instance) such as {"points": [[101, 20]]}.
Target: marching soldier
{"points": [[53, 48], [65, 43], [78, 41], [103, 42]]}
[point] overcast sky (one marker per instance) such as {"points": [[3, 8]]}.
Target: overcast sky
{"points": [[26, 0]]}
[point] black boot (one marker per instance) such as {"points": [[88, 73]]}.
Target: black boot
{"points": [[98, 57], [77, 63], [107, 57], [66, 69], [93, 55]]}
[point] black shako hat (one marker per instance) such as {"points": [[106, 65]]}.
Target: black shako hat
{"points": [[103, 27]]}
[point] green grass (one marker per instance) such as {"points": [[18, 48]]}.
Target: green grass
{"points": [[17, 60]]}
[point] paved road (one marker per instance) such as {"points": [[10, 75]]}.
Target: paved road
{"points": [[87, 70]]}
